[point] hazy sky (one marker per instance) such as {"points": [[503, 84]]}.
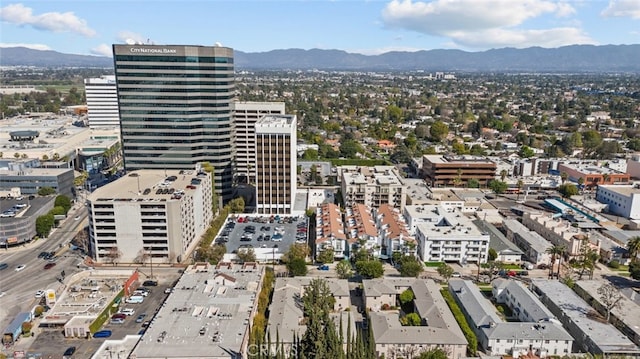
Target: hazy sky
{"points": [[367, 27]]}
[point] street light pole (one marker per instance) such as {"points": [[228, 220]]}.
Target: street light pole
{"points": [[151, 261]]}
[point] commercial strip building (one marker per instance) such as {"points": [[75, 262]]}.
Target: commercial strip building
{"points": [[621, 200], [592, 174], [176, 108], [438, 329], [456, 171], [534, 245], [625, 316], [275, 172], [246, 114], [286, 315], [149, 215], [372, 186], [208, 315], [497, 336], [451, 237], [592, 334], [102, 102]]}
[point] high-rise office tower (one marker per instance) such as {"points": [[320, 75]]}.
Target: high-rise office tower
{"points": [[102, 101], [175, 108], [246, 115], [276, 164]]}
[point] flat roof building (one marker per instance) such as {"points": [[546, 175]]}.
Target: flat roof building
{"points": [[592, 334], [621, 200], [593, 174], [102, 101], [372, 186], [175, 108], [152, 214], [456, 171], [534, 245], [275, 171], [208, 315]]}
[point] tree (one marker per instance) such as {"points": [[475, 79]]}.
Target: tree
{"points": [[343, 269], [64, 202], [445, 270], [526, 152], [296, 251], [492, 268], [297, 267], [493, 255], [564, 176], [411, 319], [406, 297], [498, 187], [410, 266], [142, 256], [435, 353], [567, 190], [45, 191], [236, 205], [246, 255], [438, 131], [587, 259], [44, 224], [519, 185], [473, 183], [370, 269], [114, 255], [325, 256], [610, 297], [320, 339], [633, 247], [556, 253], [634, 270], [503, 175]]}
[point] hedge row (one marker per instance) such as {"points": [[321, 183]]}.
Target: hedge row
{"points": [[106, 313], [472, 347]]}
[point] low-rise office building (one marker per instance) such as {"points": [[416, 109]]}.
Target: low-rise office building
{"points": [[31, 179], [208, 315], [456, 171], [592, 334], [592, 174], [499, 337], [438, 328], [150, 215], [453, 237]]}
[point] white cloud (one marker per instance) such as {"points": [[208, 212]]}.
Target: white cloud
{"points": [[102, 50], [125, 35], [469, 22], [51, 21], [622, 8], [29, 46]]}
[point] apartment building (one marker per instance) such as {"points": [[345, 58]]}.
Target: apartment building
{"points": [[149, 215], [102, 101], [276, 182], [559, 232], [453, 237], [361, 228], [507, 251], [372, 186], [497, 336], [456, 171], [245, 116], [175, 105], [534, 245], [622, 200], [330, 232], [393, 233], [592, 334], [439, 328]]}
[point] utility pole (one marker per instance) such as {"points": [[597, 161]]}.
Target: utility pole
{"points": [[151, 261]]}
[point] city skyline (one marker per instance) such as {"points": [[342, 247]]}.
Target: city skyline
{"points": [[367, 27]]}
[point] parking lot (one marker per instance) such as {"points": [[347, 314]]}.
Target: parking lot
{"points": [[263, 232]]}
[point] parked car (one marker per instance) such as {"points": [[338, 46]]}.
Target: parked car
{"points": [[40, 294], [49, 265], [117, 321], [3, 266], [150, 283], [128, 311], [141, 317], [20, 267], [456, 275], [102, 334], [323, 267], [69, 352], [119, 316]]}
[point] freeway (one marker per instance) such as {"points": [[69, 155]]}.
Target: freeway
{"points": [[20, 286]]}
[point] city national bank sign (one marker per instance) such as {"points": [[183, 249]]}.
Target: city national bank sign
{"points": [[141, 50]]}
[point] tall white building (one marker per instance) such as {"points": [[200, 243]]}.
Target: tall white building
{"points": [[247, 113], [102, 101], [622, 200], [150, 215], [275, 171]]}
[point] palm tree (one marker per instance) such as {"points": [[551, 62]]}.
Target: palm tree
{"points": [[562, 254], [555, 251], [605, 178], [563, 177], [633, 247], [519, 185], [503, 174]]}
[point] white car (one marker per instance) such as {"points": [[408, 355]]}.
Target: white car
{"points": [[40, 294], [2, 294], [21, 267], [128, 311]]}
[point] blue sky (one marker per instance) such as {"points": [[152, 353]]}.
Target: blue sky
{"points": [[357, 26]]}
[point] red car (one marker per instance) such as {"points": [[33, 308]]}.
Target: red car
{"points": [[49, 265]]}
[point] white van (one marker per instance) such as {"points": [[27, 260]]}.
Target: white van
{"points": [[135, 299]]}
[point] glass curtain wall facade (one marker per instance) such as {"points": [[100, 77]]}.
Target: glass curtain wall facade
{"points": [[176, 108]]}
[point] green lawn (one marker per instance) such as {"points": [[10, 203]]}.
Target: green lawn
{"points": [[432, 264], [510, 266]]}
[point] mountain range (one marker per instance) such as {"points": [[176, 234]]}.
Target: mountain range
{"points": [[567, 59]]}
